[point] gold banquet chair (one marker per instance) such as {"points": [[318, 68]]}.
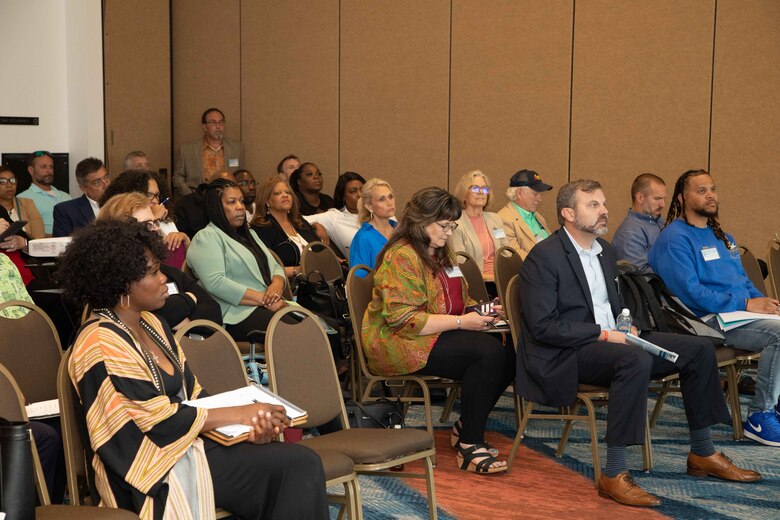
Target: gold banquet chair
{"points": [[507, 264], [316, 256], [473, 276]]}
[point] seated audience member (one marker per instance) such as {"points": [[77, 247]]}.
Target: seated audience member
{"points": [[479, 233], [640, 229], [199, 160], [341, 222], [13, 209], [248, 185], [376, 208], [279, 225], [187, 300], [137, 160], [523, 226], [287, 166], [146, 182], [233, 265], [569, 301], [306, 182], [190, 210], [415, 323], [92, 178], [40, 166], [149, 456], [700, 264]]}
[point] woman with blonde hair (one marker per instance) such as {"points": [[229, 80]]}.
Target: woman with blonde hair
{"points": [[376, 208], [479, 233]]}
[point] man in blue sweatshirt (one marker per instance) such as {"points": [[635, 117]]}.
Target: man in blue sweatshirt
{"points": [[700, 263]]}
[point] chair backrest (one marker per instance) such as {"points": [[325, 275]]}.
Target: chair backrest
{"points": [[287, 295], [512, 307], [473, 276], [750, 265], [316, 256], [73, 444], [507, 264], [12, 409], [30, 350], [301, 367], [215, 360], [773, 262], [359, 294]]}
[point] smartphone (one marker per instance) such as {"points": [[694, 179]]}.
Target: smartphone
{"points": [[483, 309]]}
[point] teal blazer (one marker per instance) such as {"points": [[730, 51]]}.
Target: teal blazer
{"points": [[226, 269]]}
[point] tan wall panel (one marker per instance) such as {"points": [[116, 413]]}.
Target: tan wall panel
{"points": [[394, 92], [745, 114], [511, 79], [641, 92], [206, 54], [290, 84], [137, 82]]}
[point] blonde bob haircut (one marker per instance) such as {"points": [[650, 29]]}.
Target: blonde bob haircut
{"points": [[467, 180], [366, 192], [122, 206]]}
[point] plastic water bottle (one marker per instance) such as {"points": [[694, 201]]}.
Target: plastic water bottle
{"points": [[624, 321]]}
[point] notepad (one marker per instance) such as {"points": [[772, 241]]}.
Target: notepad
{"points": [[732, 320], [43, 409]]}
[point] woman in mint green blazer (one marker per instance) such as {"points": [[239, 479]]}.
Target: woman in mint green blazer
{"points": [[233, 265]]}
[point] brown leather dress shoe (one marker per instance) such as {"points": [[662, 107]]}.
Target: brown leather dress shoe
{"points": [[623, 489], [719, 465]]}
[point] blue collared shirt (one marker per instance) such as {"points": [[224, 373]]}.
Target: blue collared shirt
{"points": [[597, 284], [634, 238], [45, 202]]}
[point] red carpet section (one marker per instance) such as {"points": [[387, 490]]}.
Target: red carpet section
{"points": [[537, 488]]}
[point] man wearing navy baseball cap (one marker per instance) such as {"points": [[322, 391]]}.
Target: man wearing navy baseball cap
{"points": [[523, 226]]}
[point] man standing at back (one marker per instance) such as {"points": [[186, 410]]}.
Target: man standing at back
{"points": [[42, 192], [524, 227], [641, 227], [202, 158], [71, 215], [569, 300], [700, 264]]}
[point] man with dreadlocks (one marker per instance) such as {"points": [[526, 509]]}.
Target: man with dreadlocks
{"points": [[700, 263]]}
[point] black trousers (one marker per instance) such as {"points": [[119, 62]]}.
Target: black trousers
{"points": [[48, 440], [485, 368], [627, 371], [272, 481]]}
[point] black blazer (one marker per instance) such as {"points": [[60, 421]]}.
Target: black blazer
{"points": [[558, 317], [190, 212], [72, 215], [276, 240]]}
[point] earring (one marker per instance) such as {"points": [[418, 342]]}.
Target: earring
{"points": [[122, 301], [370, 215]]}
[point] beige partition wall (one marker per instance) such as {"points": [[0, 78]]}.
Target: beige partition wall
{"points": [[289, 72], [137, 82], [745, 113], [394, 96], [511, 65], [206, 58], [641, 92]]}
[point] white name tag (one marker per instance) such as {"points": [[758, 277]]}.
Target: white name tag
{"points": [[709, 254], [172, 289], [454, 272], [498, 233], [233, 163]]}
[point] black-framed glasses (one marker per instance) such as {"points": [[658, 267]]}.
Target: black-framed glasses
{"points": [[450, 226], [152, 196], [4, 181], [476, 190]]}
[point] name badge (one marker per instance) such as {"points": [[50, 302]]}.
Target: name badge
{"points": [[498, 233], [454, 272], [233, 163], [709, 254], [172, 289]]}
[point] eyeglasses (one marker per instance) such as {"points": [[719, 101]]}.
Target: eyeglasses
{"points": [[247, 183], [476, 190], [221, 122], [153, 196], [4, 181], [96, 183], [450, 226], [152, 225]]}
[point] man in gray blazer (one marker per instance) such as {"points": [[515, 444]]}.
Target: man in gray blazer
{"points": [[203, 157]]}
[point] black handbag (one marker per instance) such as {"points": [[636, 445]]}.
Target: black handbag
{"points": [[382, 413], [324, 297], [17, 480]]}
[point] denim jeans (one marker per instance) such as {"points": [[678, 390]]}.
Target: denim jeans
{"points": [[759, 336]]}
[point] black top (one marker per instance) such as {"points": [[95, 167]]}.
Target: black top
{"points": [[190, 212], [275, 239], [326, 202], [180, 306]]}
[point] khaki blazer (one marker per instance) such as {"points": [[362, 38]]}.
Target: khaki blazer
{"points": [[465, 238], [26, 210], [188, 172], [517, 231]]}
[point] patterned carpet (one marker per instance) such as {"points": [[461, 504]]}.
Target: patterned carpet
{"points": [[541, 486]]}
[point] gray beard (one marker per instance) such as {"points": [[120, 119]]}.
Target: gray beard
{"points": [[591, 229]]}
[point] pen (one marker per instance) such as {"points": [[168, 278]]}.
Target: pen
{"points": [[165, 201]]}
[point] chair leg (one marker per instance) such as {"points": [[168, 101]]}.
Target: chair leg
{"points": [[449, 404], [733, 398], [594, 439], [428, 464], [647, 449], [659, 403], [519, 436], [352, 493], [572, 410]]}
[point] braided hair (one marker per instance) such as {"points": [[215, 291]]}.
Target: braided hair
{"points": [[677, 207], [216, 215]]}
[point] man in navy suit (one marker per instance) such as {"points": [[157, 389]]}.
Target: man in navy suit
{"points": [[569, 298], [71, 215]]}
